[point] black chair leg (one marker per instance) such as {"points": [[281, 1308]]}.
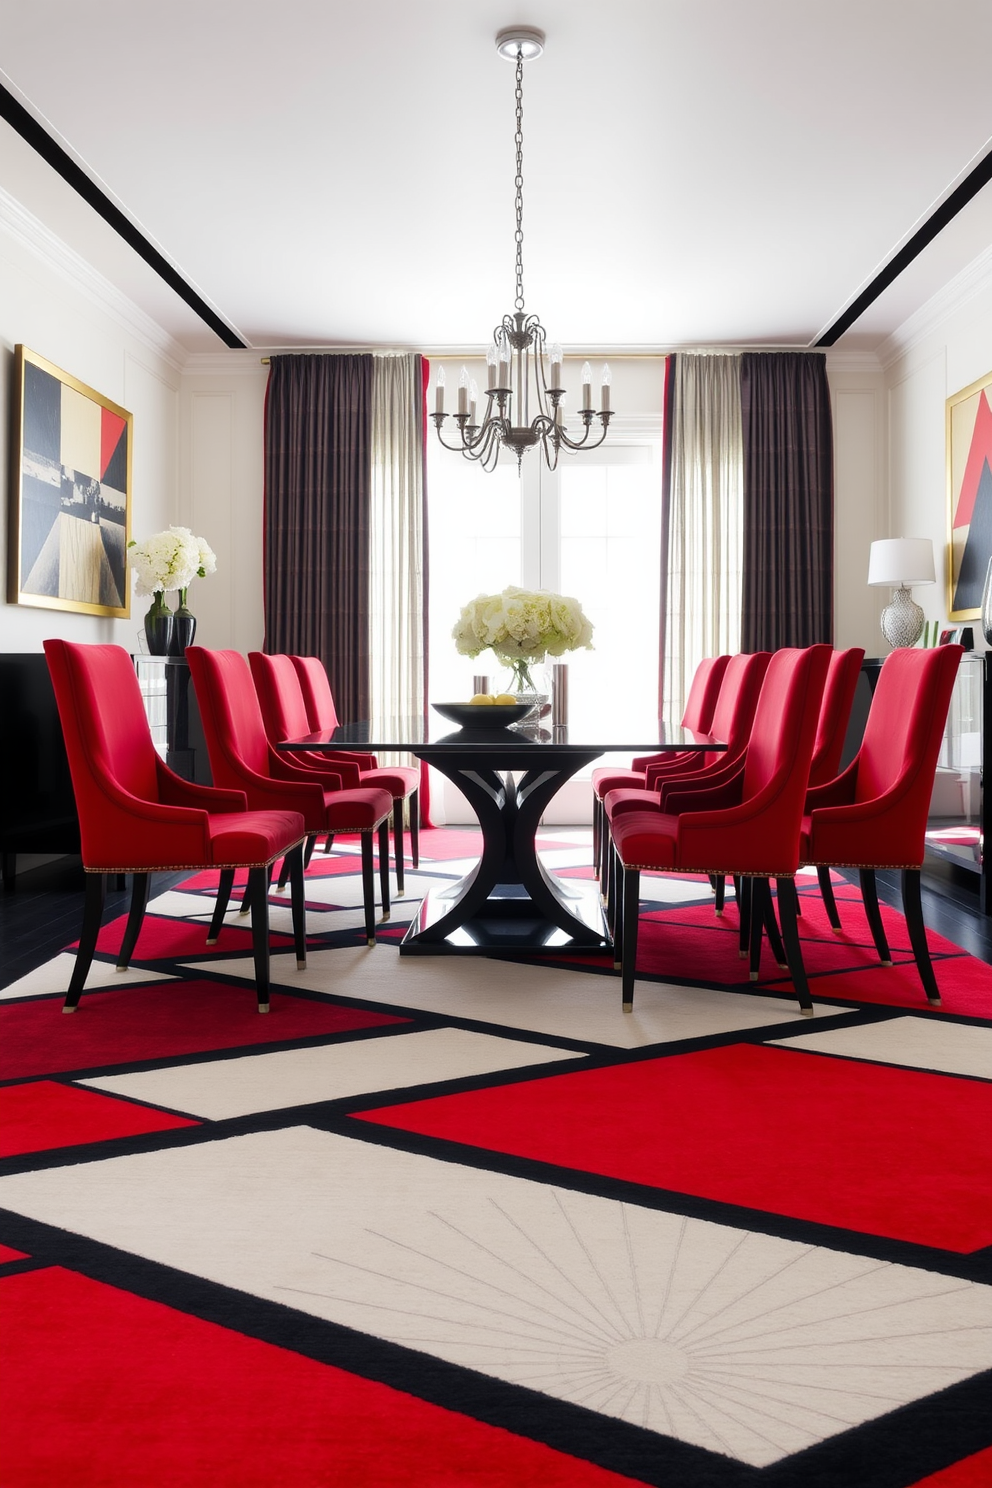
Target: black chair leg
{"points": [[628, 932], [869, 894], [368, 887], [140, 884], [615, 926], [285, 869], [258, 893], [384, 865], [398, 843], [758, 893], [96, 893], [719, 890], [297, 886], [415, 828], [774, 938], [597, 827], [742, 890], [827, 892], [224, 888], [788, 904], [912, 903]]}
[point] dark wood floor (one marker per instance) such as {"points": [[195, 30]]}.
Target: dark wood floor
{"points": [[44, 912]]}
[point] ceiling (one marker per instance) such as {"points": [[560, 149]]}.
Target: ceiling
{"points": [[697, 172]]}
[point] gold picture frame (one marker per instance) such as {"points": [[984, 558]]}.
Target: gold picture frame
{"points": [[70, 494], [969, 497]]}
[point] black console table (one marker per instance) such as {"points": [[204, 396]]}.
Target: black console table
{"points": [[37, 806]]}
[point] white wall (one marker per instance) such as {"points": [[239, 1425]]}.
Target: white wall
{"points": [[51, 302]]}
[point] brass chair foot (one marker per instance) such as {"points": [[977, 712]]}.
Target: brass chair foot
{"points": [[212, 940], [68, 1009], [119, 969], [245, 911], [628, 1007], [385, 915], [301, 963], [782, 965], [263, 1007], [806, 1012], [371, 940], [837, 929], [752, 976], [887, 963], [743, 955], [935, 1002], [618, 966], [718, 913]]}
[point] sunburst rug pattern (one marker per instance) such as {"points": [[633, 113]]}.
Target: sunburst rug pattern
{"points": [[458, 1222]]}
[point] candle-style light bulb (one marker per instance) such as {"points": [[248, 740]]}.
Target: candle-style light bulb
{"points": [[463, 391], [492, 357], [586, 385], [606, 378], [439, 391], [473, 399], [556, 361]]}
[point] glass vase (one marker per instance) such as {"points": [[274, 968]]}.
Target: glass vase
{"points": [[158, 626], [528, 683], [183, 627]]}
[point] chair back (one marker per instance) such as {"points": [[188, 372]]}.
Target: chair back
{"points": [[703, 694], [780, 748], [835, 713], [904, 730], [230, 714], [280, 697], [735, 707], [317, 693], [107, 738]]}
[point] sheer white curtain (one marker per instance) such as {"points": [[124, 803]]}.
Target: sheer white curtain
{"points": [[396, 540], [705, 549]]}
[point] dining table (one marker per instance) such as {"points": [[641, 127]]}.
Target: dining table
{"points": [[510, 899]]}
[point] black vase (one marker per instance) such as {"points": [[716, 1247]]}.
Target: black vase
{"points": [[183, 631], [158, 627]]}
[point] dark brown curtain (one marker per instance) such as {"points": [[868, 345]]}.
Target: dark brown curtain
{"points": [[788, 501], [318, 471], [668, 407]]}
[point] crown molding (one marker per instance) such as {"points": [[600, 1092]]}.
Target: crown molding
{"points": [[232, 363], [56, 255], [952, 297], [852, 362]]}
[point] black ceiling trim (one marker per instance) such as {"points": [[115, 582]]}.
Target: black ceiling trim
{"points": [[30, 130], [948, 209]]}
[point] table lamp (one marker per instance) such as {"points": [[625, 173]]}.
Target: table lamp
{"points": [[899, 562]]}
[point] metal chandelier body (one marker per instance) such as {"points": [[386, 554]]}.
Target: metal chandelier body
{"points": [[524, 405]]}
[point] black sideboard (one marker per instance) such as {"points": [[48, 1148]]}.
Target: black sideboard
{"points": [[37, 807]]}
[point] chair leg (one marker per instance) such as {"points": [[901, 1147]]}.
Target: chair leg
{"points": [[296, 860], [597, 828], [96, 893], [140, 884], [224, 888], [398, 843], [384, 865], [615, 926], [788, 904], [631, 916], [827, 893], [869, 894], [613, 869], [719, 891], [258, 894], [912, 903], [284, 871], [368, 886], [771, 926], [415, 828], [757, 893], [742, 891]]}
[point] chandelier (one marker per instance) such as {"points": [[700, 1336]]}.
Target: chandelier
{"points": [[525, 397]]}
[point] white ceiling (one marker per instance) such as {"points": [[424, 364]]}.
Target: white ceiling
{"points": [[697, 172]]}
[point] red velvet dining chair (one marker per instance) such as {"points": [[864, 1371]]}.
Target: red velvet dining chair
{"points": [[136, 816], [402, 781], [696, 716], [241, 758], [874, 815], [749, 826]]}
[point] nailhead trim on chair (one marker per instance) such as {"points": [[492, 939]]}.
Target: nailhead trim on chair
{"points": [[202, 867]]}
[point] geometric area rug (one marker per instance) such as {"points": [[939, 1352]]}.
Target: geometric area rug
{"points": [[460, 1221]]}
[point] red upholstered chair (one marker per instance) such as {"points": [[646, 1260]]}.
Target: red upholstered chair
{"points": [[136, 816], [402, 781], [241, 758], [874, 814], [751, 824], [698, 712]]}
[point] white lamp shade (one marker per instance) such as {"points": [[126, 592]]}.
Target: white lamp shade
{"points": [[898, 561]]}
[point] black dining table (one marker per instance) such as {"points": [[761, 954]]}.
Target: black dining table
{"points": [[510, 900]]}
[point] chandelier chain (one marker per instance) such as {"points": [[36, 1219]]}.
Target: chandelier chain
{"points": [[518, 138]]}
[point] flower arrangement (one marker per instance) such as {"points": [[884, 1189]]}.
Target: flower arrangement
{"points": [[521, 626], [171, 560]]}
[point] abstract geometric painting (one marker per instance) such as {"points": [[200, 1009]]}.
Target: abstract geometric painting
{"points": [[70, 494], [969, 477]]}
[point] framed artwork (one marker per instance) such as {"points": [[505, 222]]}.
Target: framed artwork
{"points": [[969, 491], [70, 494]]}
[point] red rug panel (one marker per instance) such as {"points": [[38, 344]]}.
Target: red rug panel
{"points": [[970, 1472], [7, 1253], [965, 987], [160, 1021], [162, 935], [881, 1150], [105, 1388], [37, 1117]]}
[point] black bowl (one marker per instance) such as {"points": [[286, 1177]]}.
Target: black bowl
{"points": [[486, 716]]}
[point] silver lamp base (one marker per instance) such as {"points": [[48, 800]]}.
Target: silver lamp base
{"points": [[902, 620]]}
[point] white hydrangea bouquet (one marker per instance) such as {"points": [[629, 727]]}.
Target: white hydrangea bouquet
{"points": [[171, 560], [520, 627]]}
